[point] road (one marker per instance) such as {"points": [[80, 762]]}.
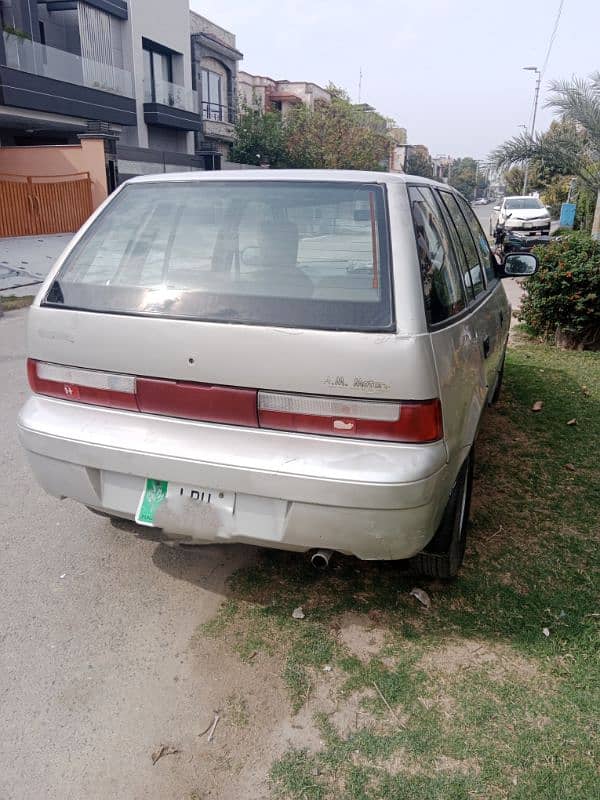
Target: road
{"points": [[100, 659]]}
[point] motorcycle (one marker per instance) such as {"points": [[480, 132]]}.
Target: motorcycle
{"points": [[508, 241]]}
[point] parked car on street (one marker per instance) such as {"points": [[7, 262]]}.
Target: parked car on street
{"points": [[292, 359], [480, 201], [525, 214]]}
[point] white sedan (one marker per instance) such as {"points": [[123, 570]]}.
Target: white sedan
{"points": [[527, 214]]}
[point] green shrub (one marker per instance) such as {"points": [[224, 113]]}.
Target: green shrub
{"points": [[563, 300]]}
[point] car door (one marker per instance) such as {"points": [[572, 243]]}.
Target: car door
{"points": [[495, 311], [480, 278], [453, 336]]}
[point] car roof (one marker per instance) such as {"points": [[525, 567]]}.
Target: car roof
{"points": [[337, 175]]}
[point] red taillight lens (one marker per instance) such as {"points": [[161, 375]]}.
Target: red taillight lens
{"points": [[82, 385], [198, 401], [412, 421]]}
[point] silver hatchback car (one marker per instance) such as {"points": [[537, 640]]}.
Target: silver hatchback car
{"points": [[292, 359]]}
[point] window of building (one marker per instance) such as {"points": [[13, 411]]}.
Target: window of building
{"points": [[442, 286], [473, 274], [158, 74], [212, 107]]}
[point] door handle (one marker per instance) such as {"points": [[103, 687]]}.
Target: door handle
{"points": [[486, 346], [502, 319]]}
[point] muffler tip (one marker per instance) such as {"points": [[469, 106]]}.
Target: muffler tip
{"points": [[320, 559]]}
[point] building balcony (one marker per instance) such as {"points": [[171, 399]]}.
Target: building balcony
{"points": [[117, 8], [170, 105], [219, 121], [42, 78]]}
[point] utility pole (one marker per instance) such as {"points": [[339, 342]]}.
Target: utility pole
{"points": [[535, 108], [359, 85]]}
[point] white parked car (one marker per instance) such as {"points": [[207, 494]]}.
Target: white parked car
{"points": [[518, 213], [292, 359]]}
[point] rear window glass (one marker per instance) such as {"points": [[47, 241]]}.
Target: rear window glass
{"points": [[473, 276], [288, 253]]}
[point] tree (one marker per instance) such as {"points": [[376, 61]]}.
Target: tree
{"points": [[462, 175], [336, 135], [259, 138], [418, 162], [572, 148], [513, 180], [466, 176]]}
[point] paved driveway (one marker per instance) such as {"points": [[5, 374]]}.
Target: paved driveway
{"points": [[26, 260], [100, 657]]}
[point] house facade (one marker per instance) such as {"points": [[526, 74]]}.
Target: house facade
{"points": [[214, 65], [259, 91], [129, 71]]}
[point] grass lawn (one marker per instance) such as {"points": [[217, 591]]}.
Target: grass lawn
{"points": [[492, 692], [12, 302]]}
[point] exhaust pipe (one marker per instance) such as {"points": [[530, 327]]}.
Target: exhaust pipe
{"points": [[320, 559]]}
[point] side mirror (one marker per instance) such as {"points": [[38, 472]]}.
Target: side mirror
{"points": [[519, 265], [496, 208]]}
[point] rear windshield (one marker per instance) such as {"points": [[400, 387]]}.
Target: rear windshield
{"points": [[285, 253]]}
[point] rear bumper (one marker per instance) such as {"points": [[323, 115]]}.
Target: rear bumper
{"points": [[374, 500]]}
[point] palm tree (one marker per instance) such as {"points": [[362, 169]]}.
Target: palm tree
{"points": [[569, 148]]}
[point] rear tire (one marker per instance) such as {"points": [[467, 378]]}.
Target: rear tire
{"points": [[444, 554]]}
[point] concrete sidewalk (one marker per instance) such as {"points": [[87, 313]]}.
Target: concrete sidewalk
{"points": [[26, 260]]}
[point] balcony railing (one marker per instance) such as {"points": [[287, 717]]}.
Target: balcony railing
{"points": [[217, 113], [49, 62], [170, 94]]}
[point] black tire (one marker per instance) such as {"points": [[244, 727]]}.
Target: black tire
{"points": [[443, 556]]}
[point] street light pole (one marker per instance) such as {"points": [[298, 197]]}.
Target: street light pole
{"points": [[535, 108]]}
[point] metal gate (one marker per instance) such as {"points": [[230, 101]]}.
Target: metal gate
{"points": [[43, 205]]}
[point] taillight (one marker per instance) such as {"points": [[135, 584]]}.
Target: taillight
{"points": [[416, 421], [411, 421], [82, 385], [199, 401]]}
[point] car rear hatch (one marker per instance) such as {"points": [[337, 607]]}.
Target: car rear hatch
{"points": [[252, 303]]}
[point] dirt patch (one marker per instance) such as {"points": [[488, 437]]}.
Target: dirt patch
{"points": [[498, 660], [466, 766], [399, 763], [441, 702], [251, 732], [351, 715], [361, 636]]}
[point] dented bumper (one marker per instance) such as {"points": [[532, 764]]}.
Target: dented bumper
{"points": [[372, 499]]}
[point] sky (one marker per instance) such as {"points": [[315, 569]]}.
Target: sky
{"points": [[450, 71]]}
